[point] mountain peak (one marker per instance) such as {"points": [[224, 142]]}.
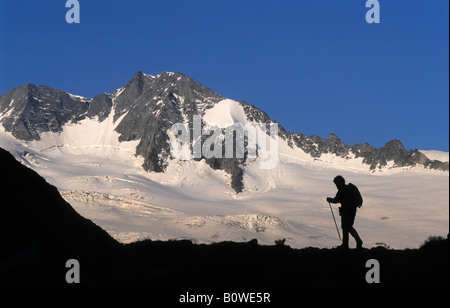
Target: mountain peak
{"points": [[395, 144], [163, 75], [138, 80], [148, 106], [32, 110], [172, 74], [333, 136], [138, 75], [394, 148]]}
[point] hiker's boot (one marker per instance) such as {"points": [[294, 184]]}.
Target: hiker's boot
{"points": [[359, 244], [343, 247]]}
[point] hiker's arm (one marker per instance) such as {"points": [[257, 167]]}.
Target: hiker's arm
{"points": [[332, 200], [336, 199]]}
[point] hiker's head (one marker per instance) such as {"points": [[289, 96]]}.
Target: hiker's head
{"points": [[339, 181]]}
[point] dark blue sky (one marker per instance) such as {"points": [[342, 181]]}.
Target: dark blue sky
{"points": [[316, 67]]}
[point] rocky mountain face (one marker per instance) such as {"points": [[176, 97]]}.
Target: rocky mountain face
{"points": [[30, 110], [376, 158], [147, 107]]}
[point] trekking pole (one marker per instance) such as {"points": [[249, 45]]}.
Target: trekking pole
{"points": [[337, 229]]}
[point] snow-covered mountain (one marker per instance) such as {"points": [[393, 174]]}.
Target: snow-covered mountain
{"points": [[110, 157]]}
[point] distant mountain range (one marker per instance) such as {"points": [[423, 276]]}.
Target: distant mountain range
{"points": [[146, 107]]}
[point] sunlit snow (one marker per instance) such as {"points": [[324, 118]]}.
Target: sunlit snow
{"points": [[104, 181]]}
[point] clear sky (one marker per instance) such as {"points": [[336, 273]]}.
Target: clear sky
{"points": [[316, 67]]}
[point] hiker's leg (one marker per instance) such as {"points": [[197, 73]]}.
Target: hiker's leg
{"points": [[345, 232], [346, 225], [356, 236]]}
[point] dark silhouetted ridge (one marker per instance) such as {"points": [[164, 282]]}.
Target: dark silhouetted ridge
{"points": [[38, 225]]}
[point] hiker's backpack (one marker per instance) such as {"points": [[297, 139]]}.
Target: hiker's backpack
{"points": [[357, 199]]}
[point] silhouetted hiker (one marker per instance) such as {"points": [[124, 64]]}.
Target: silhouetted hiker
{"points": [[349, 198]]}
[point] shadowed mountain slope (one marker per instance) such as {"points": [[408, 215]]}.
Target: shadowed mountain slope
{"points": [[39, 226]]}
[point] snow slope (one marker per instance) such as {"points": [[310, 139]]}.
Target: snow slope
{"points": [[225, 113], [436, 155], [103, 179]]}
